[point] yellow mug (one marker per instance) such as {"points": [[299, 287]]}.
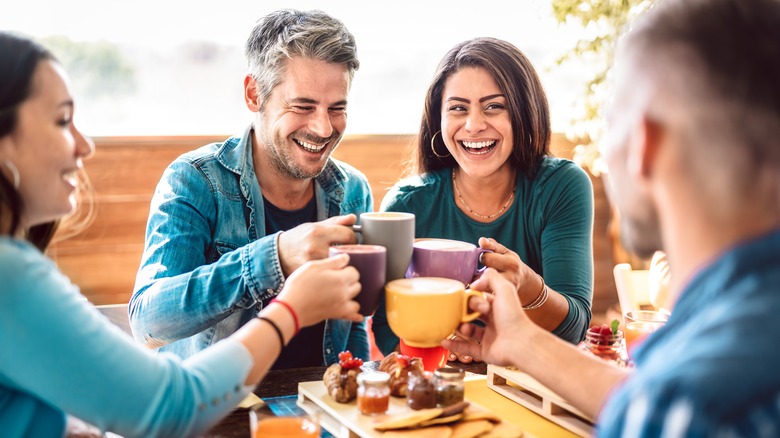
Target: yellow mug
{"points": [[423, 311]]}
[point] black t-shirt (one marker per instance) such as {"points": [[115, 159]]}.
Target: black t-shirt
{"points": [[305, 349]]}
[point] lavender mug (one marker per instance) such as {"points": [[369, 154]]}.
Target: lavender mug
{"points": [[445, 258]]}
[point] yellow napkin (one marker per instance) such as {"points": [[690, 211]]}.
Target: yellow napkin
{"points": [[250, 401]]}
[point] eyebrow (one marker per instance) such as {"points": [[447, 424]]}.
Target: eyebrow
{"points": [[308, 101], [460, 99]]}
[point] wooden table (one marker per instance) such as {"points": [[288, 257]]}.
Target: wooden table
{"points": [[285, 382]]}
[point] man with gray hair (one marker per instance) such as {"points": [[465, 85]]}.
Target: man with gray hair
{"points": [[693, 156], [230, 221]]}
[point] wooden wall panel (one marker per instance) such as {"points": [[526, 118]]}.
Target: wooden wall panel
{"points": [[103, 259]]}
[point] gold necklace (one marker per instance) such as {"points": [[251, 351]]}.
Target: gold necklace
{"points": [[490, 216]]}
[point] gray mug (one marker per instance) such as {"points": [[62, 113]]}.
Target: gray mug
{"points": [[394, 231]]}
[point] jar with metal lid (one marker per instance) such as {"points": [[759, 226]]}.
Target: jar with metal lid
{"points": [[449, 386], [421, 394], [373, 395]]}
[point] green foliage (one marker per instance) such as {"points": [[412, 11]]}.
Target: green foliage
{"points": [[97, 69], [604, 22]]}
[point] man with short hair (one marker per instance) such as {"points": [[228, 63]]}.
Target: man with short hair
{"points": [[694, 161], [230, 221]]}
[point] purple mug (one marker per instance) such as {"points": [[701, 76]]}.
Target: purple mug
{"points": [[446, 258], [370, 261]]}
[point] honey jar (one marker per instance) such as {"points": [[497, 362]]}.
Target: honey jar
{"points": [[373, 395]]}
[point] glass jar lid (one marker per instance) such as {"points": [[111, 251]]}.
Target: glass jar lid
{"points": [[373, 378]]}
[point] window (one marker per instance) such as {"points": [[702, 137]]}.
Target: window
{"points": [[150, 67]]}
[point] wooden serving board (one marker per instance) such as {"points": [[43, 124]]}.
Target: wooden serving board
{"points": [[344, 420], [528, 392]]}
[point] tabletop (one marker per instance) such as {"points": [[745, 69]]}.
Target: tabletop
{"points": [[279, 383]]}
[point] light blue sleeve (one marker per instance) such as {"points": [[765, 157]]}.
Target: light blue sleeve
{"points": [[178, 291], [59, 350]]}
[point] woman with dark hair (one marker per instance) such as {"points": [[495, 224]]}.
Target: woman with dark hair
{"points": [[482, 173], [60, 357]]}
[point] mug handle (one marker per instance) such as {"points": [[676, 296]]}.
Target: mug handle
{"points": [[473, 315], [358, 229], [479, 252]]}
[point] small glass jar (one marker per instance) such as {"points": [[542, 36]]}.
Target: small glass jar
{"points": [[611, 350], [449, 386], [373, 394], [421, 393]]}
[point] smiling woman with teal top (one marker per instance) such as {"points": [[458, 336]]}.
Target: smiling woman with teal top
{"points": [[482, 173]]}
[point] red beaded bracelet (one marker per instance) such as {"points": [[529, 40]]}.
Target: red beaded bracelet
{"points": [[292, 312]]}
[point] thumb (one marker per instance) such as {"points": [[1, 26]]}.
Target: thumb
{"points": [[337, 261], [491, 244], [347, 219]]}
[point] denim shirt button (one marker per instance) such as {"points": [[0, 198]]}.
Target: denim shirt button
{"points": [[237, 388], [202, 407], [215, 401], [328, 350]]}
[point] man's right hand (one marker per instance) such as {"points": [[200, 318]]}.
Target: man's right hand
{"points": [[310, 241]]}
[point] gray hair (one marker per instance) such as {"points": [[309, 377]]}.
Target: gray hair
{"points": [[286, 33], [716, 64]]}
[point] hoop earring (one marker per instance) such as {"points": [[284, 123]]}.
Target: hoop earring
{"points": [[433, 148], [14, 172]]}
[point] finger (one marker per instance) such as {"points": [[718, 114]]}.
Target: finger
{"points": [[465, 358], [461, 348], [337, 261], [347, 219], [339, 234]]}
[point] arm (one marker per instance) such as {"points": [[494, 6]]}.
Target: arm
{"points": [[71, 358], [566, 222], [510, 338], [187, 281]]}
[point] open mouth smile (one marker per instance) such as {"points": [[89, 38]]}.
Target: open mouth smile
{"points": [[310, 147], [478, 147]]}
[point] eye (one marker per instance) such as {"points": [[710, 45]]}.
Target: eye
{"points": [[64, 122], [337, 110], [494, 106], [457, 108]]}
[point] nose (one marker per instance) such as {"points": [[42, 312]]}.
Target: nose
{"points": [[475, 122], [85, 147], [320, 124]]}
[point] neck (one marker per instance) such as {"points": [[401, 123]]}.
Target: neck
{"points": [[280, 189], [693, 238], [484, 198]]}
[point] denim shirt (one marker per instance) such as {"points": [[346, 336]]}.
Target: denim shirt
{"points": [[208, 267]]}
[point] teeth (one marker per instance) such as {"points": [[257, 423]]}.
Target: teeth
{"points": [[478, 145], [310, 147]]}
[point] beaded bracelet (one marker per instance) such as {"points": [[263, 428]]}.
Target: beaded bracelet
{"points": [[276, 328], [292, 312], [540, 299]]}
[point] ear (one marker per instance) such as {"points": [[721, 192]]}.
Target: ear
{"points": [[251, 96], [646, 144]]}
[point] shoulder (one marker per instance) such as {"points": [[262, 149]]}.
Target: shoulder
{"points": [[413, 188], [22, 265], [350, 173], [554, 169]]}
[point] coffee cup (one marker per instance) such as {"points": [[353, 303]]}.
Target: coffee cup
{"points": [[445, 258], [394, 231], [370, 261], [423, 311]]}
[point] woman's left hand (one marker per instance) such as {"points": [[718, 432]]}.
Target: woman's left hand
{"points": [[505, 261]]}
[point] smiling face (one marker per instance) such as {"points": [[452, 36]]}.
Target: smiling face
{"points": [[304, 118], [46, 148], [475, 122]]}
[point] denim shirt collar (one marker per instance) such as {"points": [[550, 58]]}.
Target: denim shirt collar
{"points": [[236, 156]]}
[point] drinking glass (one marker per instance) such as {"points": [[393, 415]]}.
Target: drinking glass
{"points": [[640, 323], [264, 424]]}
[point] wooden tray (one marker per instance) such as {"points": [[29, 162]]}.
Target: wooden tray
{"points": [[525, 390], [344, 420]]}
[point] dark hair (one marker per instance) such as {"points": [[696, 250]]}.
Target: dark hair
{"points": [[526, 101], [19, 56], [722, 58], [286, 33]]}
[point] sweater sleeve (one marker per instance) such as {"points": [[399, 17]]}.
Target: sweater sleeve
{"points": [[59, 350], [567, 245]]}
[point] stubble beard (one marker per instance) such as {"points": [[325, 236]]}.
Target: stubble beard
{"points": [[642, 235], [283, 161]]}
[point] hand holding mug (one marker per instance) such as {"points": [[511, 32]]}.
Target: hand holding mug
{"points": [[335, 285], [505, 261], [506, 325], [311, 241]]}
